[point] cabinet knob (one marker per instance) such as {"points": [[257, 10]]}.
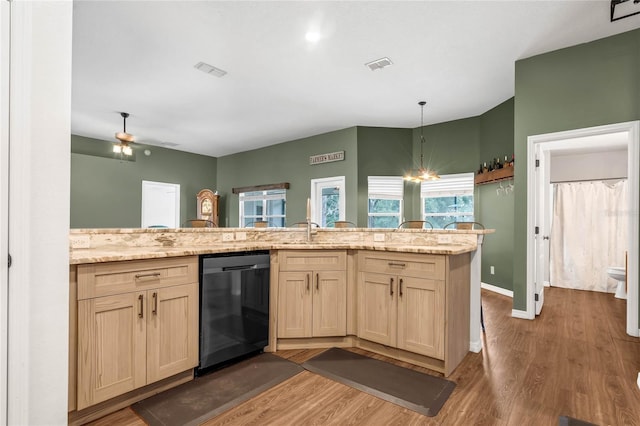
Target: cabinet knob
{"points": [[391, 287], [400, 283]]}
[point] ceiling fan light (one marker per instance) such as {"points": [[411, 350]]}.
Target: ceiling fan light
{"points": [[126, 150], [117, 148]]}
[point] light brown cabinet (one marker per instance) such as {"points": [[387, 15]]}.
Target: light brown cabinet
{"points": [[312, 294], [137, 324], [408, 302]]}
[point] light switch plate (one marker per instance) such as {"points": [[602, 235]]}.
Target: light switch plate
{"points": [[241, 236], [379, 238], [227, 236]]}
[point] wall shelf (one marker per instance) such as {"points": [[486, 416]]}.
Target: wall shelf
{"points": [[494, 176]]}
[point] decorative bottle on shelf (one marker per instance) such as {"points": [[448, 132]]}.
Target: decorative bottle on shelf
{"points": [[513, 159], [506, 161], [498, 165]]}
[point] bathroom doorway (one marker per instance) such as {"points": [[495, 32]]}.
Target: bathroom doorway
{"points": [[540, 150]]}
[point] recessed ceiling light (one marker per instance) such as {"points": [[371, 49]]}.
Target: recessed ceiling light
{"points": [[313, 36], [378, 64], [209, 69]]}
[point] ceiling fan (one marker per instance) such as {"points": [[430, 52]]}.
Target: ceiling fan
{"points": [[124, 138]]}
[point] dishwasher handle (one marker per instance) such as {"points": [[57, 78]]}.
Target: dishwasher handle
{"points": [[239, 268]]}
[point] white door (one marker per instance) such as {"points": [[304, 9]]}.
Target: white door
{"points": [[160, 204], [541, 233], [328, 200], [4, 201]]}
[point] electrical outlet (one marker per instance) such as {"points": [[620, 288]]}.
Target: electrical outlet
{"points": [[227, 236], [444, 239], [79, 241], [379, 238], [493, 270], [241, 236]]}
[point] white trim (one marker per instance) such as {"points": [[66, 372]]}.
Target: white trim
{"points": [[496, 289], [475, 347], [39, 175], [569, 140], [517, 313]]}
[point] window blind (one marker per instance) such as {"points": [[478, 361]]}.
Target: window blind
{"points": [[454, 184], [387, 187]]}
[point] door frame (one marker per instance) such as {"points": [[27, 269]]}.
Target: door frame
{"points": [[316, 194], [579, 138]]}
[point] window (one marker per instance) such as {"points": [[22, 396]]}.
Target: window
{"points": [[385, 201], [449, 199], [268, 206], [328, 200]]}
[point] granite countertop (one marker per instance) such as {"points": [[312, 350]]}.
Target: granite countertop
{"points": [[106, 254], [96, 246]]}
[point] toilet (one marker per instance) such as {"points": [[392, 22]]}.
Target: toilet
{"points": [[619, 274]]}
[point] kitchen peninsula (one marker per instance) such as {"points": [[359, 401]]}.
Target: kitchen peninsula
{"points": [[333, 287]]}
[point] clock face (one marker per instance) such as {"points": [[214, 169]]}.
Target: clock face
{"points": [[206, 206]]}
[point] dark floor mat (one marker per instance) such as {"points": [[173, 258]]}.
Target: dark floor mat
{"points": [[205, 397], [408, 388], [570, 421]]}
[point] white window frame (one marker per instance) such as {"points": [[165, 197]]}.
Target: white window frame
{"points": [[317, 185], [385, 188], [263, 196], [451, 185]]}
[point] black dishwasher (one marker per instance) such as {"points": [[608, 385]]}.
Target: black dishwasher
{"points": [[234, 307]]}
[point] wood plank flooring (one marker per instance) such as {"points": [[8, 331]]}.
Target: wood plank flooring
{"points": [[574, 360]]}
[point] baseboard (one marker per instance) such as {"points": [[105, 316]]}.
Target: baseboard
{"points": [[496, 289], [475, 346], [516, 313]]}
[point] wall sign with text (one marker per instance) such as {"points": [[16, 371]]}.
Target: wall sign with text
{"points": [[326, 158]]}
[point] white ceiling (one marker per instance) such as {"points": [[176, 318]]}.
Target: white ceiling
{"points": [[139, 57]]}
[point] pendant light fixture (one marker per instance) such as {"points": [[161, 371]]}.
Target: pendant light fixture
{"points": [[124, 138], [422, 174]]}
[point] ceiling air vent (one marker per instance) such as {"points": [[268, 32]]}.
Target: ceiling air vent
{"points": [[209, 69], [378, 64]]}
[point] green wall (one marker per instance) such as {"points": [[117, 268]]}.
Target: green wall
{"points": [[492, 210], [107, 192], [450, 147], [289, 162], [582, 86], [381, 152]]}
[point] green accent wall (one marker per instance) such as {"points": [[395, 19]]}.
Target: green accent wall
{"points": [[382, 152], [289, 162], [107, 192], [581, 86]]}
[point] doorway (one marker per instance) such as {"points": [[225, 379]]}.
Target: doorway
{"points": [[328, 200], [540, 148]]}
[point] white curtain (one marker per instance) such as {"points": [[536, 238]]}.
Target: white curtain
{"points": [[588, 234]]}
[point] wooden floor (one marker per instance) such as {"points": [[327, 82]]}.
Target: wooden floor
{"points": [[574, 360]]}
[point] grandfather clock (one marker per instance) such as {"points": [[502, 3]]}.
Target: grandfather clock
{"points": [[208, 205]]}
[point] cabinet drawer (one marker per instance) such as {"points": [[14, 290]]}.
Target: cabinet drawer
{"points": [[104, 279], [312, 260], [407, 264]]}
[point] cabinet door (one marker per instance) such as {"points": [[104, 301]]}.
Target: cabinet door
{"points": [[111, 346], [421, 316], [294, 304], [172, 331], [329, 304], [377, 308]]}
